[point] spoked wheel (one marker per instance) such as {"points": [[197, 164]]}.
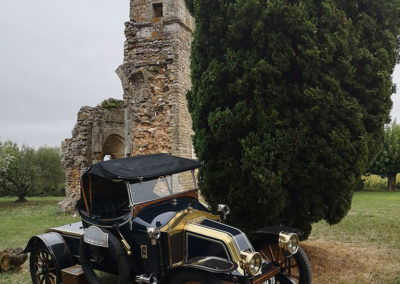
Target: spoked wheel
{"points": [[42, 266], [296, 267]]}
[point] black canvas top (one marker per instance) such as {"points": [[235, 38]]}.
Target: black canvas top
{"points": [[140, 167]]}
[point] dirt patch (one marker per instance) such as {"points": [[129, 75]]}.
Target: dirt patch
{"points": [[334, 262]]}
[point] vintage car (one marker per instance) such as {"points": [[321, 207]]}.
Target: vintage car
{"points": [[142, 221]]}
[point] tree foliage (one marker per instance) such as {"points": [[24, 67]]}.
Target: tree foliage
{"points": [[387, 164], [288, 103], [21, 172], [25, 171], [51, 175], [6, 158]]}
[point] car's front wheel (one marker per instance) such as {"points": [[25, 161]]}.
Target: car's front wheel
{"points": [[195, 277], [296, 267]]}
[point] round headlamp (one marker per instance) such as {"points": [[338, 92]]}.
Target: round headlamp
{"points": [[289, 242], [153, 233], [251, 262]]}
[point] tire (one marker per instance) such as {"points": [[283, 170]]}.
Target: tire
{"points": [[114, 251], [297, 267], [43, 266], [195, 277]]}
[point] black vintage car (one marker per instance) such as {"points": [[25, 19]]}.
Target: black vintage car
{"points": [[142, 221]]}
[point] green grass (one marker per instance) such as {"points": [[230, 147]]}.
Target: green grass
{"points": [[373, 219], [20, 221]]}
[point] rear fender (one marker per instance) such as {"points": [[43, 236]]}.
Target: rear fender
{"points": [[57, 247], [270, 235]]}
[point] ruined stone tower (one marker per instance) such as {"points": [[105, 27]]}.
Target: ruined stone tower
{"points": [[153, 115]]}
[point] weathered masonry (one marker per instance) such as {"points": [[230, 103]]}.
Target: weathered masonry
{"points": [[153, 115]]}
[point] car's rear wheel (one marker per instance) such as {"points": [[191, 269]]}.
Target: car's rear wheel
{"points": [[195, 277], [115, 252], [296, 267], [43, 266]]}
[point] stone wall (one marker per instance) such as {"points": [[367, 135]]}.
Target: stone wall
{"points": [[155, 76], [92, 131]]}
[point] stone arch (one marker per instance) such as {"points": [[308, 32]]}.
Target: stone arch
{"points": [[114, 146]]}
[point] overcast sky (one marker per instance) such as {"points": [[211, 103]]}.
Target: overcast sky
{"points": [[56, 56]]}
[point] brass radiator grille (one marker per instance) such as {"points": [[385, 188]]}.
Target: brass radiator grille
{"points": [[176, 248]]}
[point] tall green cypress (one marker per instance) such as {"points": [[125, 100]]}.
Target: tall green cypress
{"points": [[288, 103]]}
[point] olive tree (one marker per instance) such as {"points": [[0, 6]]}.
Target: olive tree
{"points": [[21, 173]]}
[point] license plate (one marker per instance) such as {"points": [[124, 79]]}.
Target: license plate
{"points": [[95, 236]]}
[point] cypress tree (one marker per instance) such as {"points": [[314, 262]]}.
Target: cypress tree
{"points": [[288, 102]]}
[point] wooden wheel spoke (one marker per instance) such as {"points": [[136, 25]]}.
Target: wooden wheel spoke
{"points": [[295, 276], [51, 279], [279, 255], [264, 255], [271, 253], [40, 258]]}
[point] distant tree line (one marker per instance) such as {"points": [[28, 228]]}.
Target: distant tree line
{"points": [[25, 171], [387, 164]]}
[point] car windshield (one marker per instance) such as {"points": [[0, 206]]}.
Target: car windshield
{"points": [[162, 187]]}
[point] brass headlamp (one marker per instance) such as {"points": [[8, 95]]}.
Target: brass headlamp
{"points": [[251, 262], [289, 242]]}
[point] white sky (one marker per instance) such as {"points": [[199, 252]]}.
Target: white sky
{"points": [[56, 56]]}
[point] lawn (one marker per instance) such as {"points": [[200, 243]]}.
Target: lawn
{"points": [[20, 221], [363, 248], [374, 219]]}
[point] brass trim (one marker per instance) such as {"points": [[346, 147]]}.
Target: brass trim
{"points": [[219, 235], [179, 221], [68, 233], [177, 225]]}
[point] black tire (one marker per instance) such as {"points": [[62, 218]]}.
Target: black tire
{"points": [[194, 277], [115, 251], [43, 266], [297, 267], [304, 266]]}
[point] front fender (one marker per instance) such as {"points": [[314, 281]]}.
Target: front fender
{"points": [[211, 264], [57, 248], [270, 235]]}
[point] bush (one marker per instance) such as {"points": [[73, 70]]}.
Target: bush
{"points": [[111, 103]]}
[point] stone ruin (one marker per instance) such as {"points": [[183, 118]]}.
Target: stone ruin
{"points": [[153, 115]]}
